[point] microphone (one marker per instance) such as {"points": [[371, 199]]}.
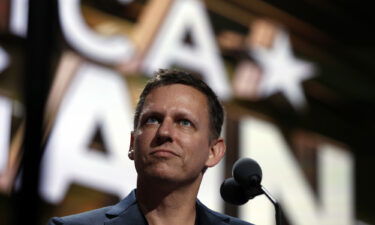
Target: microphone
{"points": [[234, 193], [247, 173], [246, 184]]}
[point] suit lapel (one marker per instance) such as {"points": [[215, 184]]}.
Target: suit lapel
{"points": [[208, 217], [125, 212], [132, 216]]}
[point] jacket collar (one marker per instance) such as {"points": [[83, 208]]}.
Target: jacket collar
{"points": [[208, 216], [127, 212], [123, 205]]}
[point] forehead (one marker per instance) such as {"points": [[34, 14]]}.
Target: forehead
{"points": [[176, 95]]}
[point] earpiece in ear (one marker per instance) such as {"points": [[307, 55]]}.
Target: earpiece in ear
{"points": [[131, 154]]}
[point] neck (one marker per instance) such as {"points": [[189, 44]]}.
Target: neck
{"points": [[165, 203]]}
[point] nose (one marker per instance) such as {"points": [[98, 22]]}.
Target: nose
{"points": [[165, 131]]}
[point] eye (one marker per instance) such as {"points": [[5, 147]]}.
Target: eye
{"points": [[152, 120], [185, 123]]}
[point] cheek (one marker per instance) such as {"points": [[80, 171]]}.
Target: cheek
{"points": [[197, 147], [143, 138]]}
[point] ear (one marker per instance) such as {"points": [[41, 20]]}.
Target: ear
{"points": [[217, 152], [131, 146]]}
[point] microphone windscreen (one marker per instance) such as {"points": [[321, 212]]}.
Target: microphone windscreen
{"points": [[247, 172], [232, 192]]}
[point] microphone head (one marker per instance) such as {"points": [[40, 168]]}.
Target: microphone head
{"points": [[232, 192], [247, 172]]}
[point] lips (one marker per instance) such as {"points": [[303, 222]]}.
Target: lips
{"points": [[163, 153]]}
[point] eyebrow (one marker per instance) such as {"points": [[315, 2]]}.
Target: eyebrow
{"points": [[150, 113], [181, 113]]}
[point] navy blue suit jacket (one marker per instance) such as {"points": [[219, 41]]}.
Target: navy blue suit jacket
{"points": [[127, 212]]}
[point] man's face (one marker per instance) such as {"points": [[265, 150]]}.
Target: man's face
{"points": [[172, 139]]}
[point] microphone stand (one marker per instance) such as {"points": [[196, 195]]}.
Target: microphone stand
{"points": [[275, 204]]}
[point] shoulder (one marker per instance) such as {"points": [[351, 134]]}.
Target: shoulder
{"points": [[97, 216], [92, 217], [208, 216], [230, 219], [236, 221]]}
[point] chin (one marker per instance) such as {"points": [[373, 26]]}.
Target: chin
{"points": [[161, 172]]}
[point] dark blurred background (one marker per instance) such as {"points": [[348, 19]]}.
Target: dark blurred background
{"points": [[48, 55]]}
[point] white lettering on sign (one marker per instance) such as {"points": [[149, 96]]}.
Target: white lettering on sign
{"points": [[284, 178], [202, 56], [5, 122], [4, 59], [112, 50], [97, 96], [19, 12]]}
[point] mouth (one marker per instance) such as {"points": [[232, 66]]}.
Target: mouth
{"points": [[163, 153]]}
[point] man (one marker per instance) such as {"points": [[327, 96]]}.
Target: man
{"points": [[176, 137]]}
